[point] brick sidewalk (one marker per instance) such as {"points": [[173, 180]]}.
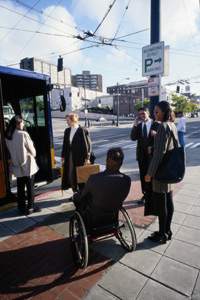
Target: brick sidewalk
{"points": [[37, 263]]}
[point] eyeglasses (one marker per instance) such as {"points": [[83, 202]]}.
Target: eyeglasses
{"points": [[141, 114]]}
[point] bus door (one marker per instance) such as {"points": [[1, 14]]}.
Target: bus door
{"points": [[27, 94]]}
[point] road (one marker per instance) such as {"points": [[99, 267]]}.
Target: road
{"points": [[105, 136]]}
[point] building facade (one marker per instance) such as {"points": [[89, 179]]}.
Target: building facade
{"points": [[128, 95], [87, 80], [61, 79], [76, 98]]}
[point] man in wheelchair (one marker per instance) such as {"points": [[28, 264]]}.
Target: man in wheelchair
{"points": [[104, 192]]}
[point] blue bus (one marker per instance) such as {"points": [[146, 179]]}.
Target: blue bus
{"points": [[26, 93]]}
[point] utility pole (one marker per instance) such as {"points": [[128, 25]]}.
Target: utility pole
{"points": [[155, 38]]}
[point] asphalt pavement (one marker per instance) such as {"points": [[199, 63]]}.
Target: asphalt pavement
{"points": [[36, 260]]}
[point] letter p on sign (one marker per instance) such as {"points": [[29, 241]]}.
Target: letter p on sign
{"points": [[148, 63]]}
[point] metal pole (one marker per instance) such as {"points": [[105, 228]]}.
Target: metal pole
{"points": [[142, 96], [155, 38], [85, 106], [117, 104]]}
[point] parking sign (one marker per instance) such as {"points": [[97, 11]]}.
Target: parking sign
{"points": [[153, 59]]}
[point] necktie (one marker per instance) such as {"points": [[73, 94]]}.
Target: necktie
{"points": [[144, 133]]}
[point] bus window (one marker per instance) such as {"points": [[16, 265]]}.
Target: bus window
{"points": [[40, 110], [27, 94]]}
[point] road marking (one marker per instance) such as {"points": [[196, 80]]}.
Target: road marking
{"points": [[99, 141], [130, 146], [112, 144], [57, 158], [189, 145], [195, 145]]}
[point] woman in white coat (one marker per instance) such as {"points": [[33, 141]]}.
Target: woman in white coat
{"points": [[23, 164]]}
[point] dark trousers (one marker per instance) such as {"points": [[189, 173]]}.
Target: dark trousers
{"points": [[29, 182], [165, 208], [143, 168]]}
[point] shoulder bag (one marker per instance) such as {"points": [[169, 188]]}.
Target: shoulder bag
{"points": [[172, 167]]}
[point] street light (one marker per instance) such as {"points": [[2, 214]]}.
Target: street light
{"points": [[118, 83]]}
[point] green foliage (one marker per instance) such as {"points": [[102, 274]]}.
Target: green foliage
{"points": [[182, 103], [139, 104]]}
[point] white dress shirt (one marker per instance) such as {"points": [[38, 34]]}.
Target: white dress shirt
{"points": [[148, 125], [72, 133]]}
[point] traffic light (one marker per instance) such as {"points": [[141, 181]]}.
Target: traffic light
{"points": [[178, 89], [60, 64]]}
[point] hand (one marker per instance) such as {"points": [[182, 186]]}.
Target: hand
{"points": [[153, 132], [136, 121], [149, 150], [87, 161], [62, 159], [147, 178]]}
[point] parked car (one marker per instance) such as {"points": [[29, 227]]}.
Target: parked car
{"points": [[101, 119], [8, 112], [194, 115]]}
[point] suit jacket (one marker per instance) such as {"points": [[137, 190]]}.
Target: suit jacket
{"points": [[160, 146], [103, 195], [136, 134], [78, 148]]}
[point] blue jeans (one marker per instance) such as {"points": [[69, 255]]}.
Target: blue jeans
{"points": [[181, 138]]}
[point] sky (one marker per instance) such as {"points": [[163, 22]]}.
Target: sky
{"points": [[47, 29]]}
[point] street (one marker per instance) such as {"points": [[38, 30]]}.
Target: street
{"points": [[105, 136]]}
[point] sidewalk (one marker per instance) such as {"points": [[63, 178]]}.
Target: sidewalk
{"points": [[36, 261]]}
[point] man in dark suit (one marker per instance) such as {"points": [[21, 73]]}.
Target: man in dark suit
{"points": [[104, 192], [143, 131]]}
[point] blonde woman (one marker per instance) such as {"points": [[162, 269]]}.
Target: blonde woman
{"points": [[74, 152]]}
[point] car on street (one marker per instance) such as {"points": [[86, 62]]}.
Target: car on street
{"points": [[101, 119], [194, 115], [8, 112]]}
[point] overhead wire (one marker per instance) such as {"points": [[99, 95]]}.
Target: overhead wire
{"points": [[44, 14], [109, 9], [35, 33], [121, 20], [37, 21], [23, 16]]}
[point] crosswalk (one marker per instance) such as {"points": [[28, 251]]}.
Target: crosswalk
{"points": [[124, 144]]}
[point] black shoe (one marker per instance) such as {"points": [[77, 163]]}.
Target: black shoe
{"points": [[32, 210], [141, 201], [158, 238], [169, 235]]}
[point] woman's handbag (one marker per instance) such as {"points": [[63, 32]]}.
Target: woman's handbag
{"points": [[83, 172], [172, 167]]}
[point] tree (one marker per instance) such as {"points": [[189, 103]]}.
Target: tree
{"points": [[139, 104], [193, 106], [181, 103]]}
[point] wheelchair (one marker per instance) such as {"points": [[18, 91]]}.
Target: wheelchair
{"points": [[122, 228]]}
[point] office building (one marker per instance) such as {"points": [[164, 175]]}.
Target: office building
{"points": [[88, 81], [60, 79]]}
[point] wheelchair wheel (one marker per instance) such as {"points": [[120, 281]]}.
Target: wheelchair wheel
{"points": [[126, 232], [79, 241]]}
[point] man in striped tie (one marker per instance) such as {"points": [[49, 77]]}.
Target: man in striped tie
{"points": [[143, 131]]}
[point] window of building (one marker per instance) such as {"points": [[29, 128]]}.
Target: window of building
{"points": [[70, 94]]}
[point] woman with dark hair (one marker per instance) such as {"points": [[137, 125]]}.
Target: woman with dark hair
{"points": [[74, 152], [23, 164], [162, 192]]}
